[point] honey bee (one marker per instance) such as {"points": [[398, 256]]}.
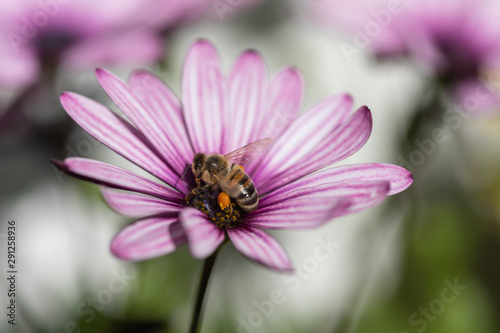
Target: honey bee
{"points": [[226, 172]]}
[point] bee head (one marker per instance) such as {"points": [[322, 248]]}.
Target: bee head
{"points": [[198, 161]]}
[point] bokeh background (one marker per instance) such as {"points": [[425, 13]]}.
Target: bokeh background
{"points": [[426, 260]]}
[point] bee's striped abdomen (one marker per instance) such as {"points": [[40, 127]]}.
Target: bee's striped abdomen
{"points": [[241, 188]]}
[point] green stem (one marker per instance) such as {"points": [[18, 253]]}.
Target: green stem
{"points": [[202, 287]]}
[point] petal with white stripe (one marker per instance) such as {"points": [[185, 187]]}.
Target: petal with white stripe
{"points": [[148, 238], [203, 90], [285, 94], [148, 120], [203, 236], [355, 196], [117, 134], [246, 86], [323, 145], [300, 140], [166, 107], [398, 177], [261, 247], [137, 205], [112, 176]]}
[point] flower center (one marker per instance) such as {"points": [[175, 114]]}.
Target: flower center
{"points": [[461, 62], [205, 199]]}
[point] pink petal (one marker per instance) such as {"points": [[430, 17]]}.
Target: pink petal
{"points": [[164, 106], [345, 141], [137, 205], [285, 98], [303, 212], [135, 47], [203, 89], [340, 143], [147, 120], [148, 238], [361, 195], [313, 206], [246, 86], [203, 236], [115, 177], [355, 197], [259, 246], [398, 177], [18, 68], [322, 128], [364, 196], [117, 134]]}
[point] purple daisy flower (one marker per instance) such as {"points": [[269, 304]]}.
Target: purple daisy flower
{"points": [[80, 33], [218, 115], [74, 34], [456, 40]]}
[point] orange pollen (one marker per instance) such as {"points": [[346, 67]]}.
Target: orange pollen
{"points": [[241, 167], [223, 200]]}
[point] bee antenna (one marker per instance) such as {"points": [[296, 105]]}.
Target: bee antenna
{"points": [[183, 175]]}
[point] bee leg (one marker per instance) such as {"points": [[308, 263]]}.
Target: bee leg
{"points": [[224, 201], [198, 182]]}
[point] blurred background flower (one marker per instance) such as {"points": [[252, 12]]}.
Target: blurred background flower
{"points": [[40, 39], [43, 35], [424, 261], [455, 41]]}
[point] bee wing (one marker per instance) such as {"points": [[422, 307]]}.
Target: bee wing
{"points": [[249, 152]]}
